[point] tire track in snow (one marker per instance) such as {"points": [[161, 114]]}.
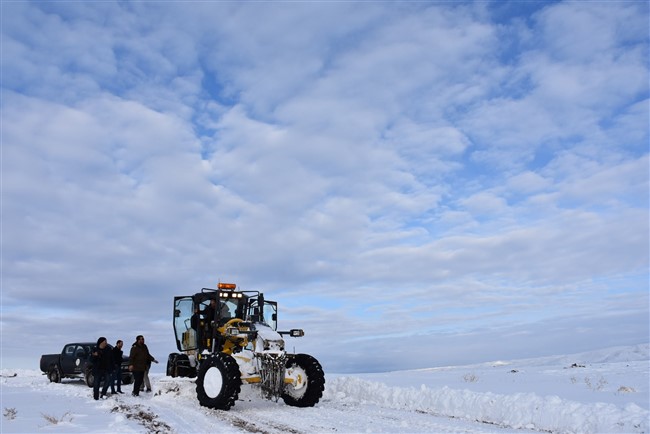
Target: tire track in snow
{"points": [[253, 414]]}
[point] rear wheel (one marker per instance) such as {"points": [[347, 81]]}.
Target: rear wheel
{"points": [[171, 365], [309, 381], [218, 382], [54, 374], [89, 378], [179, 365]]}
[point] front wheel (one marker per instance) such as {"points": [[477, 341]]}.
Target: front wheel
{"points": [[218, 382], [308, 381], [54, 374]]}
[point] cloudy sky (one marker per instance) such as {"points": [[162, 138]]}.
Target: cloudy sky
{"points": [[416, 183]]}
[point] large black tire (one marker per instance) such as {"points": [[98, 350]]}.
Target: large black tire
{"points": [[171, 365], [309, 392], [54, 374], [89, 378], [218, 382], [178, 365]]}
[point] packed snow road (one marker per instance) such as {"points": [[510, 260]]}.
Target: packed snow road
{"points": [[175, 404]]}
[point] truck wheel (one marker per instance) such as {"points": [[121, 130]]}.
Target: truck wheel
{"points": [[310, 381], [54, 374], [89, 378], [218, 382]]}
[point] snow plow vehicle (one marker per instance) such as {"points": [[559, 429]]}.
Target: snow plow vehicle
{"points": [[227, 337]]}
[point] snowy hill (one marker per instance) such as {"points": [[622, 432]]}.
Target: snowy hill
{"points": [[596, 392]]}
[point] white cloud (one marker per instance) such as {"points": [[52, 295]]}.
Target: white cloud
{"points": [[527, 182], [478, 175], [580, 32], [485, 203]]}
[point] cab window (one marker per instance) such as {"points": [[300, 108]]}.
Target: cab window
{"points": [[184, 323], [270, 313]]}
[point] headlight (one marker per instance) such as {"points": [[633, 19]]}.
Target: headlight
{"points": [[273, 345]]}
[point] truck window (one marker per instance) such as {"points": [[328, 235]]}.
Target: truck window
{"points": [[80, 353], [69, 350]]}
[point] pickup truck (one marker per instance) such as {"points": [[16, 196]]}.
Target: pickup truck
{"points": [[74, 362]]}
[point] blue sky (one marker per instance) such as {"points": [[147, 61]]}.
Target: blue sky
{"points": [[417, 184]]}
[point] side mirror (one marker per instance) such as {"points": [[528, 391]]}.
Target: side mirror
{"points": [[274, 317], [177, 313], [296, 333]]}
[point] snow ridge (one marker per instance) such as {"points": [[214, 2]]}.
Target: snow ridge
{"points": [[517, 411]]}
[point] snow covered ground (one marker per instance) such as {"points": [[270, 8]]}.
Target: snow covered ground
{"points": [[597, 392]]}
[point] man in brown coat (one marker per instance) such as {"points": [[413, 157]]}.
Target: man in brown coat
{"points": [[139, 359]]}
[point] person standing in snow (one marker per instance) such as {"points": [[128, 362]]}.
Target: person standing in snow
{"points": [[146, 382], [139, 359], [116, 378], [102, 360]]}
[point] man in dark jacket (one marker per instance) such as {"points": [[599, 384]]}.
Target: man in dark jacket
{"points": [[117, 367], [102, 360], [139, 358]]}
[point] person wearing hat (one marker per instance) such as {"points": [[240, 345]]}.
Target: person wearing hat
{"points": [[102, 360]]}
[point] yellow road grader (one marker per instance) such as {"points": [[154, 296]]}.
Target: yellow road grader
{"points": [[227, 337]]}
